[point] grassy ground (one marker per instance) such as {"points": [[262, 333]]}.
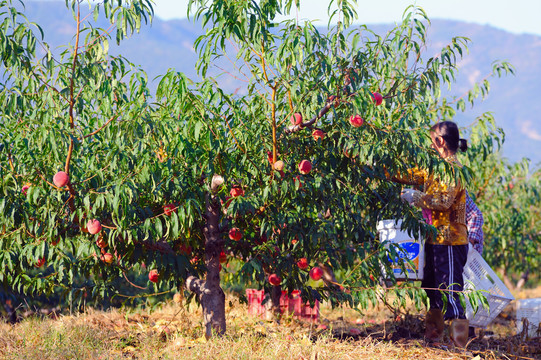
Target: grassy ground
{"points": [[173, 332]]}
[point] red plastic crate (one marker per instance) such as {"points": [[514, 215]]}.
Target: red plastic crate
{"points": [[289, 306]]}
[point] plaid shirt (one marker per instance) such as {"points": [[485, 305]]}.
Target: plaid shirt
{"points": [[474, 221]]}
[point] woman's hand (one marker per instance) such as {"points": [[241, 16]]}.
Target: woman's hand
{"points": [[407, 195]]}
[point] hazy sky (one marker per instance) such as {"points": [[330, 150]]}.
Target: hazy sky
{"points": [[517, 16]]}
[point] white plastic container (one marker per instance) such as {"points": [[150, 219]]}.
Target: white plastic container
{"points": [[531, 310], [413, 250], [479, 276]]}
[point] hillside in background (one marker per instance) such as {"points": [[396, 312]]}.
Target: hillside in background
{"points": [[515, 101]]}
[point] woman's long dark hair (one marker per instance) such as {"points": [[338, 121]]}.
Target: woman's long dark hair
{"points": [[448, 130]]}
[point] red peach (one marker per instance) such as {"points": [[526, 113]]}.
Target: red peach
{"points": [[318, 134], [236, 190], [100, 241], [377, 98], [40, 262], [185, 249], [316, 273], [279, 165], [25, 188], [168, 209], [61, 179], [93, 226], [107, 258], [297, 179], [274, 279], [223, 257], [302, 263], [153, 275], [305, 167], [356, 120], [296, 119], [235, 234]]}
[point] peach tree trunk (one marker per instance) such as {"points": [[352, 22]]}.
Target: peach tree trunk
{"points": [[210, 294]]}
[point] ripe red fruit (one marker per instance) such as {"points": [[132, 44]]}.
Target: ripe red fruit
{"points": [[316, 273], [223, 257], [269, 156], [377, 98], [318, 134], [294, 241], [296, 119], [297, 178], [274, 279], [305, 167], [25, 188], [61, 179], [40, 262], [236, 190], [153, 275], [279, 165], [168, 209], [185, 249], [302, 263], [93, 226], [107, 258], [100, 241], [235, 234], [356, 120]]}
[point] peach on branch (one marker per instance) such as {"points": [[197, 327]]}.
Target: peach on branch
{"points": [[302, 263], [274, 279], [318, 134], [40, 262], [61, 179], [153, 275], [236, 190], [223, 257], [316, 273], [169, 209], [235, 234], [305, 167], [296, 119], [107, 258], [356, 120], [101, 242], [185, 249], [297, 179], [93, 226], [25, 188], [279, 165], [377, 98]]}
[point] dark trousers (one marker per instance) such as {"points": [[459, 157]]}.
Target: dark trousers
{"points": [[443, 270]]}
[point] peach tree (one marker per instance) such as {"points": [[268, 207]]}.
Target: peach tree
{"points": [[103, 179]]}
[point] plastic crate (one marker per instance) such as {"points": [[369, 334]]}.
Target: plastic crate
{"points": [[291, 305], [411, 249], [479, 276], [531, 310]]}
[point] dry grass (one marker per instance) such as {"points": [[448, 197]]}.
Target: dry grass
{"points": [[172, 332]]}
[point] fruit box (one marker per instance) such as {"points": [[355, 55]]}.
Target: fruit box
{"points": [[529, 309], [291, 305], [409, 249], [479, 276]]}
